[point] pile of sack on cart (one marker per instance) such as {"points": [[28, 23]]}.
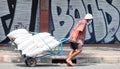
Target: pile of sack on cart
{"points": [[30, 44]]}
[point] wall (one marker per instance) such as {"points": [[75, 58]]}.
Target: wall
{"points": [[105, 28], [16, 14], [63, 15]]}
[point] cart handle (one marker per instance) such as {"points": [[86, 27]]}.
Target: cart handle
{"points": [[60, 47], [63, 40]]}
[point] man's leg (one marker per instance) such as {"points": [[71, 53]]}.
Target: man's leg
{"points": [[75, 50], [75, 53], [68, 60], [71, 55]]}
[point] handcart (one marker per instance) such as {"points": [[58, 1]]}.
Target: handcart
{"points": [[32, 61]]}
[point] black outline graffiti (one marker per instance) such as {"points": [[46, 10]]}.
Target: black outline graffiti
{"points": [[106, 18], [12, 6], [9, 16]]}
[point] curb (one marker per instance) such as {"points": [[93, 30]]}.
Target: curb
{"points": [[82, 58], [90, 54]]}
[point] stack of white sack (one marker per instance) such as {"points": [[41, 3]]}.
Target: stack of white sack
{"points": [[33, 40], [19, 36], [18, 33], [39, 43], [31, 45]]}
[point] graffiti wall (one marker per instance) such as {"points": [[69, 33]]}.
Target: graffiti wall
{"points": [[16, 14], [104, 28], [64, 14]]}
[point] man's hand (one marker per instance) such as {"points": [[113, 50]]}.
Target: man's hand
{"points": [[73, 40]]}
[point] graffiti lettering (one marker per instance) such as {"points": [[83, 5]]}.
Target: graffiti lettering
{"points": [[61, 18], [20, 25], [117, 6], [103, 29], [16, 14], [3, 11]]}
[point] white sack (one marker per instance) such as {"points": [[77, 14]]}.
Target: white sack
{"points": [[34, 39], [43, 48], [38, 44], [17, 33], [21, 39]]}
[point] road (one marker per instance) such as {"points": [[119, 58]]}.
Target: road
{"points": [[58, 66]]}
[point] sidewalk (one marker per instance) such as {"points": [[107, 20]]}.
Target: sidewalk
{"points": [[92, 53]]}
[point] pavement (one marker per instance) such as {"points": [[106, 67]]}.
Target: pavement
{"points": [[92, 53]]}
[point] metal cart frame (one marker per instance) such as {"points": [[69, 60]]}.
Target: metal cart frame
{"points": [[32, 61]]}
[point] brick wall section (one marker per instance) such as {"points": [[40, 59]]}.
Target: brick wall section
{"points": [[44, 15]]}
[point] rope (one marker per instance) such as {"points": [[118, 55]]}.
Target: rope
{"points": [[53, 53], [60, 49]]}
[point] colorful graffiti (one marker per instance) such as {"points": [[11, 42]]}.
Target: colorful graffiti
{"points": [[105, 27], [16, 14]]}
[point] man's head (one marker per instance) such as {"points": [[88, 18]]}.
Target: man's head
{"points": [[88, 16]]}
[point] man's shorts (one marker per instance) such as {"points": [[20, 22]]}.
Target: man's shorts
{"points": [[75, 46]]}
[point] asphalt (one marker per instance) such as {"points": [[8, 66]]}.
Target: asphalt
{"points": [[92, 53]]}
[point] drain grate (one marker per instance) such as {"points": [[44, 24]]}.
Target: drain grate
{"points": [[62, 61]]}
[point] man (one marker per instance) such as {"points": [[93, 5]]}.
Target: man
{"points": [[77, 37]]}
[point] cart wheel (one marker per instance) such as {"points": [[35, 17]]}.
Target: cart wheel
{"points": [[31, 62]]}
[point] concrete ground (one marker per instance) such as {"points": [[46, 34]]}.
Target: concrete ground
{"points": [[92, 53]]}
